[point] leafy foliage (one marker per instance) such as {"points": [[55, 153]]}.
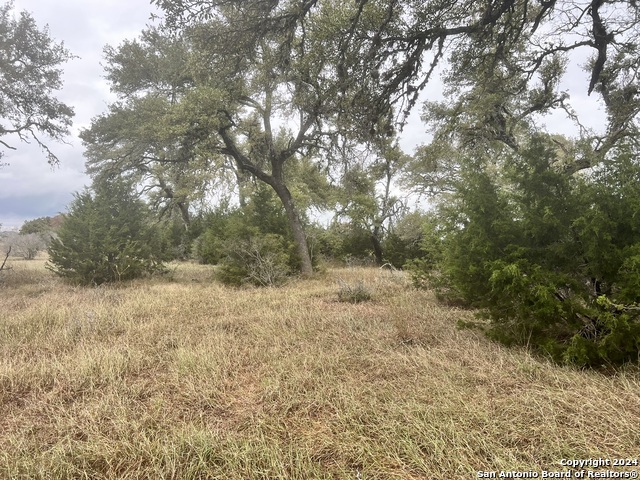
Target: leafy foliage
{"points": [[551, 259], [42, 226], [176, 240], [366, 198], [504, 59], [251, 244], [208, 248], [351, 242], [105, 237], [403, 243], [345, 242], [29, 74]]}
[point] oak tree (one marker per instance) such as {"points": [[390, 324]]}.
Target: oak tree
{"points": [[30, 73], [257, 98]]}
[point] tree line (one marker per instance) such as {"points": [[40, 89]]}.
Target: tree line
{"points": [[277, 108]]}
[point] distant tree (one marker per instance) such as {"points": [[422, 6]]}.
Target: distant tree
{"points": [[42, 226], [26, 245], [35, 236], [367, 197], [344, 241], [29, 74], [404, 242], [106, 237]]}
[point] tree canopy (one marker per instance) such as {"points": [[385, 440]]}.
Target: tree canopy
{"points": [[504, 58], [30, 73]]}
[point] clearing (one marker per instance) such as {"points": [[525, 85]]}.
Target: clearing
{"points": [[182, 378]]}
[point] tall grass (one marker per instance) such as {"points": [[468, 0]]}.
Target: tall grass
{"points": [[179, 377]]}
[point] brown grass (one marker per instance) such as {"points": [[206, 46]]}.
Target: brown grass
{"points": [[182, 378]]}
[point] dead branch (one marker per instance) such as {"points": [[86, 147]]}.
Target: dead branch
{"points": [[2, 267]]}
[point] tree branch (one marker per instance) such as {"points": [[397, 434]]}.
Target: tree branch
{"points": [[2, 267]]}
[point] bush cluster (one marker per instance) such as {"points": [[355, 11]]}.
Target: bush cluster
{"points": [[553, 260], [351, 243], [250, 244]]}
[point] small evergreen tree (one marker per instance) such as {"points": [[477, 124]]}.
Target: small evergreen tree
{"points": [[106, 237]]}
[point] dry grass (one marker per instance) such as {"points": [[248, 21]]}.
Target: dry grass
{"points": [[182, 378]]}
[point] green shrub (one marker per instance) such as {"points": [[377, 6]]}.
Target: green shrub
{"points": [[260, 260], [106, 237], [354, 293], [251, 244], [403, 244], [209, 246], [551, 260], [345, 242], [175, 239]]}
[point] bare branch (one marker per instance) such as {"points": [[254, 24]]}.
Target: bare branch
{"points": [[2, 267]]}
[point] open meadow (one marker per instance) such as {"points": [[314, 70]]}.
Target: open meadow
{"points": [[179, 377]]}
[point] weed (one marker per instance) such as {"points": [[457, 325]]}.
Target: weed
{"points": [[353, 293]]}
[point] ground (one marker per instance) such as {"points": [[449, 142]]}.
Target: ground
{"points": [[180, 377]]}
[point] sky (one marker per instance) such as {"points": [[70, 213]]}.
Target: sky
{"points": [[30, 188]]}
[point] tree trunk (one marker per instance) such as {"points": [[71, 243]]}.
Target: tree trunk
{"points": [[275, 180], [377, 247], [186, 217], [241, 180], [299, 237]]}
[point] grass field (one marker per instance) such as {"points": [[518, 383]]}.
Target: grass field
{"points": [[182, 378]]}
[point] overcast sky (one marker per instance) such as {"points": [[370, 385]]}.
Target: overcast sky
{"points": [[29, 188]]}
